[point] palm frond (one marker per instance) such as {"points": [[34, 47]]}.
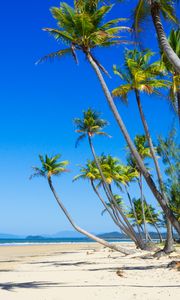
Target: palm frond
{"points": [[56, 54]]}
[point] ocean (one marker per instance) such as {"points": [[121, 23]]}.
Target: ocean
{"points": [[36, 241]]}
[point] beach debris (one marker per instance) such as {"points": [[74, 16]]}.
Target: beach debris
{"points": [[120, 273], [174, 265]]}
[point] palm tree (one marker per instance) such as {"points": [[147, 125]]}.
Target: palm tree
{"points": [[51, 166], [151, 216], [155, 9], [110, 168], [82, 28], [143, 76], [174, 93]]}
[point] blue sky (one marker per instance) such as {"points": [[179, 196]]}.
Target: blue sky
{"points": [[38, 104]]}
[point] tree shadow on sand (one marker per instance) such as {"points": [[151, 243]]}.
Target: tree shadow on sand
{"points": [[10, 286]]}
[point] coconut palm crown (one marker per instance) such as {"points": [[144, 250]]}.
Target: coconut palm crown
{"points": [[50, 166], [139, 74], [82, 27], [91, 124]]}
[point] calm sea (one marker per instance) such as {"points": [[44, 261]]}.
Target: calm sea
{"points": [[26, 241]]}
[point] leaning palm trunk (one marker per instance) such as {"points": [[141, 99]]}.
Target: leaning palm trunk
{"points": [[142, 204], [163, 42], [154, 223], [84, 232], [111, 197], [132, 148], [158, 172], [134, 212]]}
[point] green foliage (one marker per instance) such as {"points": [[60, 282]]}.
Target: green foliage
{"points": [[50, 166], [82, 27], [149, 211], [143, 149], [169, 150], [139, 74], [91, 124], [113, 170]]}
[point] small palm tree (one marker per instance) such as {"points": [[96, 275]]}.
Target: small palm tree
{"points": [[151, 216], [51, 166], [90, 125], [156, 8]]}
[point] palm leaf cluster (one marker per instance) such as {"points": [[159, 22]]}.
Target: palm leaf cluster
{"points": [[82, 27], [89, 125], [150, 215], [113, 170], [139, 74], [50, 166]]}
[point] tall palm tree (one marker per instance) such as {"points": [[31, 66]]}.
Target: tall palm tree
{"points": [[51, 166], [174, 93], [89, 126], [142, 76], [82, 27], [156, 8]]}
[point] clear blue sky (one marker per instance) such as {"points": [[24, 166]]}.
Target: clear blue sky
{"points": [[38, 104]]}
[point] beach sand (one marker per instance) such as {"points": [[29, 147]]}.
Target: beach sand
{"points": [[84, 272]]}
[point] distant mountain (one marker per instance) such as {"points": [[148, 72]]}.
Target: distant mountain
{"points": [[66, 234], [113, 235]]}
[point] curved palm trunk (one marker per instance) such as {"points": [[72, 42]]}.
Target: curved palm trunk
{"points": [[142, 204], [109, 193], [163, 42], [132, 148], [84, 232], [123, 228], [158, 172]]}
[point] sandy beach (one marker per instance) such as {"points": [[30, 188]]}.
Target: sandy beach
{"points": [[84, 271]]}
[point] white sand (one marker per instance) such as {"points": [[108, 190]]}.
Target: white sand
{"points": [[83, 272]]}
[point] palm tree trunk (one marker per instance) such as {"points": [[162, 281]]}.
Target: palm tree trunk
{"points": [[134, 212], [153, 154], [169, 244], [154, 223], [178, 102], [158, 232], [84, 232], [132, 148], [123, 228], [110, 193], [163, 42], [142, 204]]}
